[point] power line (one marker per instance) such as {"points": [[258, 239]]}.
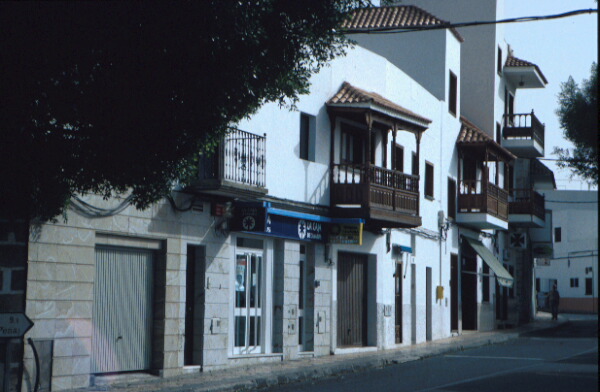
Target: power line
{"points": [[571, 202], [394, 30]]}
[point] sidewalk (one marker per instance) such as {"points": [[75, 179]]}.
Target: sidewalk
{"points": [[259, 376]]}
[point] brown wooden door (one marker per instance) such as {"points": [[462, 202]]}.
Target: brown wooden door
{"points": [[454, 292], [352, 299], [398, 280]]}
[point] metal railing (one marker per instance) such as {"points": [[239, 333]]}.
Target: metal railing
{"points": [[240, 158]]}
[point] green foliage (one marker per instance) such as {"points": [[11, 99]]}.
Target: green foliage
{"points": [[578, 117], [113, 97]]}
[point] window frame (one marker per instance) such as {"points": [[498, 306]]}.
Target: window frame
{"points": [[452, 196], [589, 286], [429, 188], [398, 148], [558, 234], [452, 93], [574, 282], [307, 134]]}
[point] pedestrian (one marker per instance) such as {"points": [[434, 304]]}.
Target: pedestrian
{"points": [[553, 300]]}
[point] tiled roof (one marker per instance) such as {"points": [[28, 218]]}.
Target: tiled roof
{"points": [[349, 94], [392, 17], [470, 134], [512, 61]]}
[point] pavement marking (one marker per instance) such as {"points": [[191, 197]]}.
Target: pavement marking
{"points": [[485, 357]]}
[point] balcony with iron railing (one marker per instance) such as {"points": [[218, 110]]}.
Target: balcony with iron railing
{"points": [[523, 135], [526, 208], [482, 204], [238, 166], [384, 197]]}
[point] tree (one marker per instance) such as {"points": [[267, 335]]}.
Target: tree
{"points": [[114, 97], [578, 116]]}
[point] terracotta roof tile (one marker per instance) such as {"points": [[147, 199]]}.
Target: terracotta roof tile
{"points": [[470, 134], [349, 94], [392, 17], [512, 61]]}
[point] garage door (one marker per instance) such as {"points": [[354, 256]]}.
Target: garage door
{"points": [[122, 311]]}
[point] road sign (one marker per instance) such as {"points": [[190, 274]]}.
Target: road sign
{"points": [[14, 325]]}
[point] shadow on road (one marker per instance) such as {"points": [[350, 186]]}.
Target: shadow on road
{"points": [[572, 329]]}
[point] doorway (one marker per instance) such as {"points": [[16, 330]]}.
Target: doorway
{"points": [[194, 306], [306, 303], [454, 284], [398, 297], [352, 300], [469, 290], [428, 305]]}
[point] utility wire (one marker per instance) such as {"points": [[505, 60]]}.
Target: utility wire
{"points": [[394, 30]]}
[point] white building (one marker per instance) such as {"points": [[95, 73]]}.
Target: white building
{"points": [[573, 266], [371, 218]]}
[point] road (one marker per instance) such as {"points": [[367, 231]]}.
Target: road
{"points": [[561, 359]]}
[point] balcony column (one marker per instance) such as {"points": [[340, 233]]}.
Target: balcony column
{"points": [[385, 147], [367, 166], [331, 148], [394, 132], [418, 135]]}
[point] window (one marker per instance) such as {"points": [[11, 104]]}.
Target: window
{"points": [[373, 145], [498, 133], [12, 280], [499, 65], [452, 94], [428, 180], [574, 282], [415, 165], [398, 158], [307, 137], [557, 234], [588, 286], [352, 150], [451, 198]]}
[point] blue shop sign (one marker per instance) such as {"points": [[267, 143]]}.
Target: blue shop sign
{"points": [[261, 218]]}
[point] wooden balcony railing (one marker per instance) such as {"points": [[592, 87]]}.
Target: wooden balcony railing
{"points": [[372, 186], [527, 202], [477, 196], [523, 126], [240, 158]]}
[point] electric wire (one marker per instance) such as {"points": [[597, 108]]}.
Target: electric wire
{"points": [[396, 30]]}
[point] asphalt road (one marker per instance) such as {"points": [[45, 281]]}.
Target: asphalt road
{"points": [[561, 359]]}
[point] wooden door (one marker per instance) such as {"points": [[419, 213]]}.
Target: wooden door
{"points": [[352, 300], [398, 288]]}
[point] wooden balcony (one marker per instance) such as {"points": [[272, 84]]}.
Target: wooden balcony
{"points": [[526, 208], [523, 135], [383, 197], [237, 168], [482, 205]]}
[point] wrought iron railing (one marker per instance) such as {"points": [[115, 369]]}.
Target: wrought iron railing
{"points": [[240, 158], [523, 126]]}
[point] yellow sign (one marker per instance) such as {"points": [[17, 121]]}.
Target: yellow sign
{"points": [[346, 234]]}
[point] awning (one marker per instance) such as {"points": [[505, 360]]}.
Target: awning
{"points": [[502, 275]]}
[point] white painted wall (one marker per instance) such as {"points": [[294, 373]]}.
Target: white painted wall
{"points": [[576, 213]]}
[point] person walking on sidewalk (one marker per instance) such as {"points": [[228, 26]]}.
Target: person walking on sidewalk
{"points": [[553, 300]]}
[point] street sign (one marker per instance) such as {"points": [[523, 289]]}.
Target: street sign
{"points": [[14, 325]]}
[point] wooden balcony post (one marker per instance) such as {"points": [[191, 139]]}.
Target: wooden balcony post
{"points": [[367, 165], [418, 137]]}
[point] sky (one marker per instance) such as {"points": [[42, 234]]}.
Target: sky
{"points": [[561, 48]]}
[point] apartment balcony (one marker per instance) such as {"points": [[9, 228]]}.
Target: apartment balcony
{"points": [[482, 205], [384, 198], [523, 135], [526, 208], [237, 168]]}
